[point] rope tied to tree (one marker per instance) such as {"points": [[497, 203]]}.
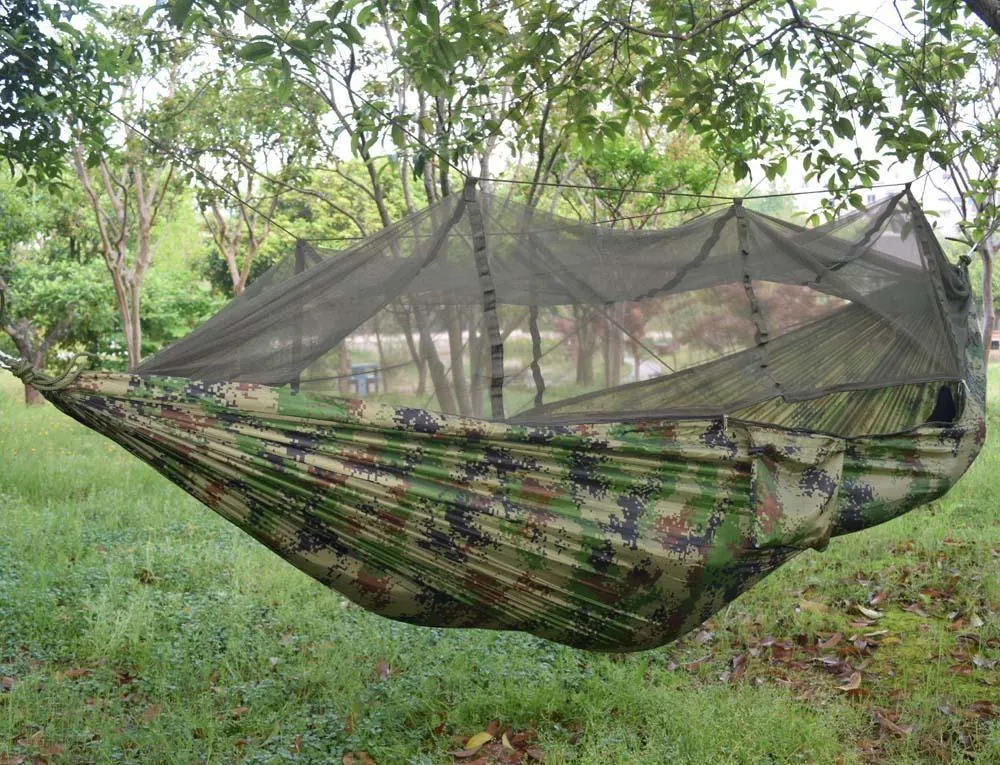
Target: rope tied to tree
{"points": [[37, 379]]}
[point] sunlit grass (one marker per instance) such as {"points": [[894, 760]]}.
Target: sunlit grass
{"points": [[136, 626]]}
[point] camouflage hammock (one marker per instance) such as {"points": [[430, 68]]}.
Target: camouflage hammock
{"points": [[614, 518]]}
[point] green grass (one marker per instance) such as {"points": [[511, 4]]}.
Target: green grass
{"points": [[136, 626]]}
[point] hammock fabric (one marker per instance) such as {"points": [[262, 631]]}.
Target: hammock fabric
{"points": [[611, 519]]}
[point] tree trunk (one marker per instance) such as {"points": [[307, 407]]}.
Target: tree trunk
{"points": [[586, 344], [32, 397], [457, 352], [446, 401], [343, 369], [383, 370], [988, 11], [418, 360], [477, 362], [989, 314]]}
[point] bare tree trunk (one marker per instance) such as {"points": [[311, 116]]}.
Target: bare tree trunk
{"points": [[382, 365], [32, 397], [446, 401], [418, 360], [457, 353], [343, 369], [989, 313], [988, 11]]}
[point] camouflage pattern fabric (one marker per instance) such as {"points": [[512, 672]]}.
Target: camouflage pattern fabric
{"points": [[615, 537]]}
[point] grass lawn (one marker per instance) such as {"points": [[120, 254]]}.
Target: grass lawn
{"points": [[138, 627]]}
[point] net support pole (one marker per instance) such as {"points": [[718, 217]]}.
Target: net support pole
{"points": [[490, 318], [300, 266], [761, 332]]}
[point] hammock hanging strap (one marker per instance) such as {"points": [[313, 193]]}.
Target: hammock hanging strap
{"points": [[488, 288]]}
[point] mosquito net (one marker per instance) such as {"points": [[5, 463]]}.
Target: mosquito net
{"points": [[483, 307]]}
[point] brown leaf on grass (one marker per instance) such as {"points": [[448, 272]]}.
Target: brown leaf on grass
{"points": [[493, 728], [238, 712], [6, 683], [878, 597], [13, 760], [831, 642], [76, 674], [152, 712], [35, 739], [296, 746], [535, 753], [987, 710], [913, 608], [382, 669], [962, 670], [52, 750], [852, 684], [812, 607], [739, 668], [357, 758], [889, 725], [462, 754], [505, 743]]}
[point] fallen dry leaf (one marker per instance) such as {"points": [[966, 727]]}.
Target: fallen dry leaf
{"points": [[151, 712], [493, 727], [835, 638], [870, 613], [238, 712], [6, 683], [535, 753], [15, 760], [75, 674], [478, 740], [987, 710], [382, 669], [505, 742], [52, 750], [464, 753], [887, 724], [852, 684]]}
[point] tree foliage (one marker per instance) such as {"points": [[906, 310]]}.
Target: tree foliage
{"points": [[53, 83]]}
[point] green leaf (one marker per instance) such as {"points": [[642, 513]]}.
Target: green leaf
{"points": [[178, 11], [256, 51], [398, 136]]}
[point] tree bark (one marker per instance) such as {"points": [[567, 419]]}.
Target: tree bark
{"points": [[446, 400], [988, 11], [989, 314]]}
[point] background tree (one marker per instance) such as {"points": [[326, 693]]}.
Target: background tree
{"points": [[55, 293], [54, 80], [251, 147], [128, 181]]}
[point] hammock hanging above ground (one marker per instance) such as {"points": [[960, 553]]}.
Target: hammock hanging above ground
{"points": [[486, 416]]}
